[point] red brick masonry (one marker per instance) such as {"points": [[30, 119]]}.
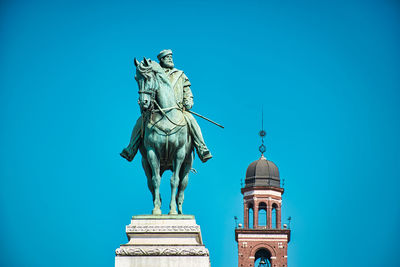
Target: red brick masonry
{"points": [[273, 240]]}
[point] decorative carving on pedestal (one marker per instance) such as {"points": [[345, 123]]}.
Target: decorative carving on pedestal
{"points": [[161, 251]]}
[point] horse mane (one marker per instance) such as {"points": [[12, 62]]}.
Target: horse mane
{"points": [[148, 67]]}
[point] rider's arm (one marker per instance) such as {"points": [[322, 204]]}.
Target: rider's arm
{"points": [[187, 93]]}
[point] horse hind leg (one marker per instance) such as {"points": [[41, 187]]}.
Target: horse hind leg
{"points": [[147, 171], [181, 195], [184, 179], [177, 163], [155, 180]]}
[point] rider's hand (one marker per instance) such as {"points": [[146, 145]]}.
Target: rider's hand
{"points": [[188, 104]]}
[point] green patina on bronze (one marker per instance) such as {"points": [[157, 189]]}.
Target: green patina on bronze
{"points": [[165, 133]]}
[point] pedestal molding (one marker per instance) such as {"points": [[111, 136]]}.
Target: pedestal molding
{"points": [[162, 228], [162, 251]]}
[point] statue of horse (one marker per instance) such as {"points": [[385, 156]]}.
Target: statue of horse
{"points": [[166, 144]]}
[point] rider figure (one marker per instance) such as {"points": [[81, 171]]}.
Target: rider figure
{"points": [[184, 100]]}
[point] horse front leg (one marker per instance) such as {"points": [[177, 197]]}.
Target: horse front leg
{"points": [[176, 167], [154, 163]]}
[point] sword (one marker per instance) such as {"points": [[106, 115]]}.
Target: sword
{"points": [[194, 113]]}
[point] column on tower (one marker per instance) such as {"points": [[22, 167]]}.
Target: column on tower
{"points": [[248, 205], [269, 215], [245, 214], [278, 217], [255, 212]]}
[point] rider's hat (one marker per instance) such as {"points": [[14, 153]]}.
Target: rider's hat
{"points": [[164, 53]]}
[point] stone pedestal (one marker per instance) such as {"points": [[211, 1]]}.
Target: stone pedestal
{"points": [[163, 241]]}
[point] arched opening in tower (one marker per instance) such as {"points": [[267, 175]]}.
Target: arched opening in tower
{"points": [[251, 216], [262, 215], [262, 258]]}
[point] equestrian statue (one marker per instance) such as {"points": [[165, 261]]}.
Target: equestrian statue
{"points": [[166, 133]]}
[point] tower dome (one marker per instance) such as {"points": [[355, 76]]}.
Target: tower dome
{"points": [[262, 172]]}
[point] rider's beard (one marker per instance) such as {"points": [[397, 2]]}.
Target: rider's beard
{"points": [[169, 65]]}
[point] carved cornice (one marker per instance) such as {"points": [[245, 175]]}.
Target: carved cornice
{"points": [[162, 228], [256, 231], [162, 251]]}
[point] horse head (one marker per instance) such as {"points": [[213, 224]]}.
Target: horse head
{"points": [[149, 75]]}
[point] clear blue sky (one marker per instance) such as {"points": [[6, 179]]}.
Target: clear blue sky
{"points": [[327, 73]]}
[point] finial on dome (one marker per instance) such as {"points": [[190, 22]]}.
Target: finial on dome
{"points": [[262, 134]]}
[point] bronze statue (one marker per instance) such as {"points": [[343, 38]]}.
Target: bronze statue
{"points": [[166, 132]]}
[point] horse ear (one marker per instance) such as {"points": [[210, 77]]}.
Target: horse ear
{"points": [[146, 63], [136, 62]]}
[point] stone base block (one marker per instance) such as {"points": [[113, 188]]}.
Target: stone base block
{"points": [[163, 241]]}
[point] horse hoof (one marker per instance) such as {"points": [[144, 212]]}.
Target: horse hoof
{"points": [[172, 212], [156, 212]]}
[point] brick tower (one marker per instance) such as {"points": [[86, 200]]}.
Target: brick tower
{"points": [[261, 240]]}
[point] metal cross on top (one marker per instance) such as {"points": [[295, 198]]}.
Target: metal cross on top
{"points": [[262, 134]]}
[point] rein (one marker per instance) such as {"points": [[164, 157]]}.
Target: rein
{"points": [[162, 110]]}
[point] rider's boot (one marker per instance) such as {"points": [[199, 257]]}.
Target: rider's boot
{"points": [[198, 140], [130, 151], [204, 154]]}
